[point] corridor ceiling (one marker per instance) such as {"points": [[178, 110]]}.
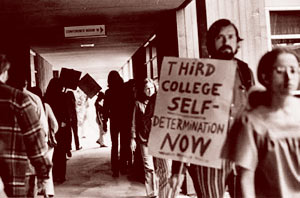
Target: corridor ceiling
{"points": [[128, 24]]}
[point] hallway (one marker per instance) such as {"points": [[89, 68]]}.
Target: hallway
{"points": [[88, 170], [89, 175]]}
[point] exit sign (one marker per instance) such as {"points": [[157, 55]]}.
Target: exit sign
{"points": [[84, 31]]}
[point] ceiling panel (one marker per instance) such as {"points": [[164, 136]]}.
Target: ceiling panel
{"points": [[128, 24]]}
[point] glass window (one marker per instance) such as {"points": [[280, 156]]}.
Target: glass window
{"points": [[151, 60], [285, 22], [285, 29]]}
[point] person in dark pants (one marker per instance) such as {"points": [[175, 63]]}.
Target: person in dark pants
{"points": [[71, 102], [57, 99], [115, 108], [140, 131], [99, 119], [223, 42]]}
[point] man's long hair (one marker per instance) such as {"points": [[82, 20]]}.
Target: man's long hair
{"points": [[214, 31], [114, 80]]}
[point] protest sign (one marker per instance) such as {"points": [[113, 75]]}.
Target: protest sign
{"points": [[89, 86], [192, 110], [69, 78]]}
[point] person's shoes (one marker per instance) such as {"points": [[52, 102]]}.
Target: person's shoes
{"points": [[115, 174], [69, 154], [79, 148], [48, 196], [101, 144]]}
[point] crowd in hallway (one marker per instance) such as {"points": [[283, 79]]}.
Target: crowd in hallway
{"points": [[260, 157]]}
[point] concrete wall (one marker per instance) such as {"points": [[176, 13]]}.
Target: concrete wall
{"points": [[44, 72]]}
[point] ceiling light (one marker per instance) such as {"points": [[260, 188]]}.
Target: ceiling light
{"points": [[32, 52], [153, 37], [88, 45]]}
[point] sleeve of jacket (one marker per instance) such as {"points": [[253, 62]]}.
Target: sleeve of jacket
{"points": [[33, 136], [106, 106], [246, 74], [147, 118], [53, 125], [133, 125]]}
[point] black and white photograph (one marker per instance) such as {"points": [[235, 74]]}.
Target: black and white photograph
{"points": [[149, 99]]}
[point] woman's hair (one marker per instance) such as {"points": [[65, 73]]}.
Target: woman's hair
{"points": [[54, 88], [149, 80], [71, 96], [37, 91], [114, 79], [214, 31], [265, 66], [141, 87]]}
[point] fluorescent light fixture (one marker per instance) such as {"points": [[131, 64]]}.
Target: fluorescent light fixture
{"points": [[153, 37], [88, 45], [32, 52]]}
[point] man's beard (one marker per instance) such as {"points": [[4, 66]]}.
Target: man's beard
{"points": [[225, 52]]}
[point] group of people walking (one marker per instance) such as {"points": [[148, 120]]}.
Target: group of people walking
{"points": [[130, 119], [260, 157]]}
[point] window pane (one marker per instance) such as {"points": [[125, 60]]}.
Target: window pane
{"points": [[147, 54], [149, 70], [283, 42], [153, 52], [155, 69], [285, 22]]}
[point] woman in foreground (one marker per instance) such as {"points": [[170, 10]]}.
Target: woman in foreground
{"points": [[265, 142], [141, 127]]}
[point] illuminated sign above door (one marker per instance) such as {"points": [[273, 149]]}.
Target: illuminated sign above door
{"points": [[84, 31]]}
